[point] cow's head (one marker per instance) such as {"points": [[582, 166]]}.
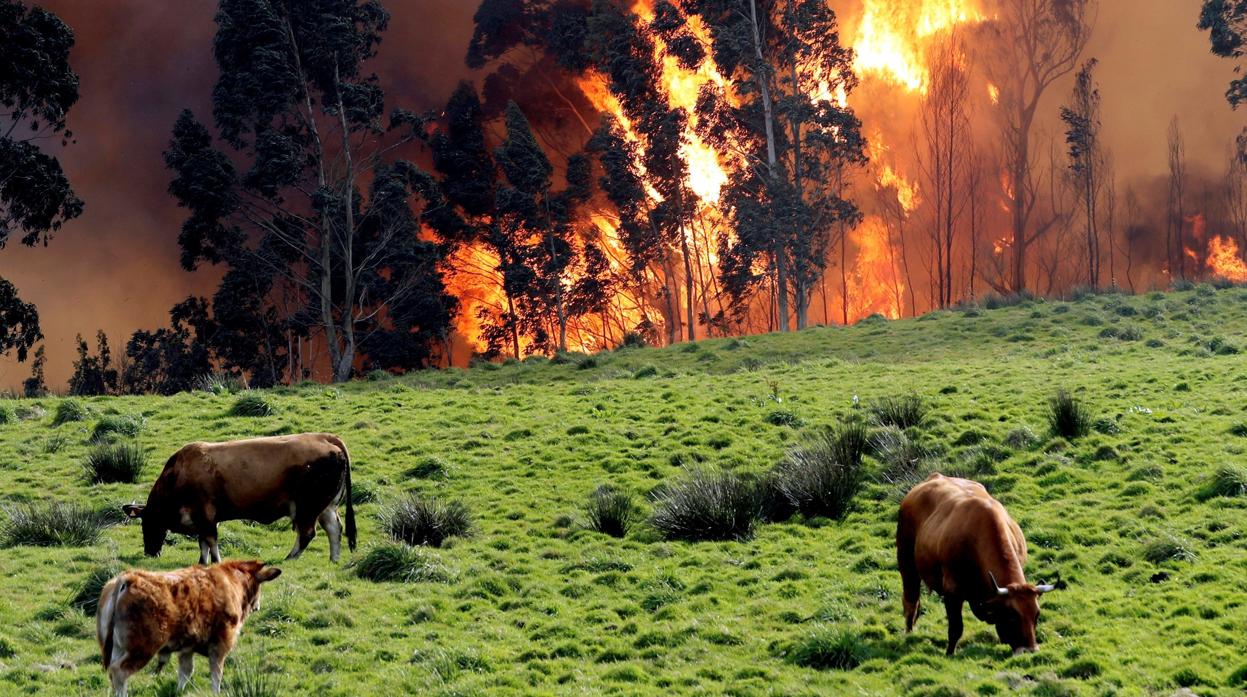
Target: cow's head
{"points": [[250, 575], [154, 528], [1014, 609]]}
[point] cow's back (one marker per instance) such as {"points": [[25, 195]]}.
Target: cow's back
{"points": [[255, 477], [952, 525]]}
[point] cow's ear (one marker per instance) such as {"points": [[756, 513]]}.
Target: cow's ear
{"points": [[133, 510], [267, 574]]}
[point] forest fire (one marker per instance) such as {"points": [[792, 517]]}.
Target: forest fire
{"points": [[890, 44], [1224, 260]]}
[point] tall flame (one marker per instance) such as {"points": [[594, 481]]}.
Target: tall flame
{"points": [[891, 36]]}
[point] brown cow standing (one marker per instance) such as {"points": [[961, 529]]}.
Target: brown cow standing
{"points": [[262, 479], [961, 542], [197, 610]]}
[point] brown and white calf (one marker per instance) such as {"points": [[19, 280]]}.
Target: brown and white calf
{"points": [[196, 610]]}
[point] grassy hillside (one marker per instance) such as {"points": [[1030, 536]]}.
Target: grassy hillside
{"points": [[532, 603]]}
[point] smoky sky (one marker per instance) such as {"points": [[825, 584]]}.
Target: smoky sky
{"points": [[116, 267]]}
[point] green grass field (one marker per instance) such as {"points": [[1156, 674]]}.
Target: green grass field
{"points": [[533, 603]]}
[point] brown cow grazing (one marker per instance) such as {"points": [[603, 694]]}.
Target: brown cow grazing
{"points": [[262, 479], [961, 542], [197, 610]]}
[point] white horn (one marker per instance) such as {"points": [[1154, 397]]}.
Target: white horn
{"points": [[1044, 588], [999, 591]]}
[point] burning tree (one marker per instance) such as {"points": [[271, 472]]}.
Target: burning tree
{"points": [[1039, 42], [1087, 162], [787, 119], [945, 123], [323, 211]]}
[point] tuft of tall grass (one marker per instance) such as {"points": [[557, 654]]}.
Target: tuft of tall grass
{"points": [[250, 678], [611, 511], [252, 404], [70, 410], [112, 426], [395, 561], [51, 525], [419, 520], [1067, 417], [1229, 481], [705, 505], [903, 458], [822, 475], [220, 382], [829, 648], [86, 598], [114, 463], [901, 411]]}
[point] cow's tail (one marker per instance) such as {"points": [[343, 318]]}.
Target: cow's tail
{"points": [[105, 617], [350, 504]]}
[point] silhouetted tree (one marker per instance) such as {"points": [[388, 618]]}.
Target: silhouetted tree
{"points": [[169, 360], [93, 375], [36, 385], [1226, 24], [37, 88], [297, 110]]}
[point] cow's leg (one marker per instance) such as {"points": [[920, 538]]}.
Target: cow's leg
{"points": [[216, 664], [161, 659], [952, 605], [205, 551], [304, 532], [186, 666], [122, 667], [329, 521]]}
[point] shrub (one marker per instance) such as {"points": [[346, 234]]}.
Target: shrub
{"points": [[250, 679], [1067, 416], [705, 505], [395, 561], [110, 426], [378, 375], [114, 463], [647, 371], [610, 511], [69, 410], [781, 417], [826, 648], [431, 467], [1168, 547], [252, 404], [632, 340], [901, 411], [419, 520], [773, 506], [87, 598], [1228, 480], [902, 458], [822, 475], [51, 525], [220, 383], [7, 415], [587, 363], [1021, 438]]}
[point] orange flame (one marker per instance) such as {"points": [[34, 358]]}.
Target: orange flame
{"points": [[1224, 260], [890, 36]]}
